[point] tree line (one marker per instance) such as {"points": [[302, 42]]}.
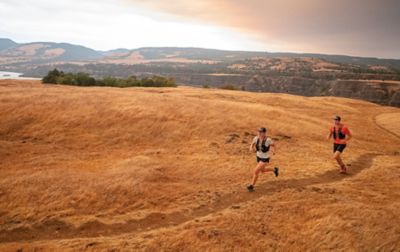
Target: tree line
{"points": [[84, 79]]}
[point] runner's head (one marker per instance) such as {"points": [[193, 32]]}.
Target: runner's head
{"points": [[337, 119], [262, 131]]}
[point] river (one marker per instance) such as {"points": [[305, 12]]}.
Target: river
{"points": [[13, 75]]}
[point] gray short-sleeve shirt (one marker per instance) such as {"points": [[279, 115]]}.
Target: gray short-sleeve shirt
{"points": [[261, 154]]}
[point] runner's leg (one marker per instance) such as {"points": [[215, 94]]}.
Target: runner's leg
{"points": [[265, 169], [338, 159], [260, 166]]}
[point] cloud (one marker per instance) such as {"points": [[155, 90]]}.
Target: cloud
{"points": [[108, 24], [358, 27], [355, 27]]}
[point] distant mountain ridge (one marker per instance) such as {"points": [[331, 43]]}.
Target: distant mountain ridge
{"points": [[48, 52], [7, 43], [43, 52]]}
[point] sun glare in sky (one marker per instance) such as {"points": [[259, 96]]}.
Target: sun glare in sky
{"points": [[105, 25]]}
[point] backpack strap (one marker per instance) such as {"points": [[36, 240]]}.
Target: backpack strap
{"points": [[257, 143], [265, 147], [334, 132]]}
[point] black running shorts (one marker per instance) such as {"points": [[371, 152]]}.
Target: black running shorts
{"points": [[265, 160], [338, 147]]}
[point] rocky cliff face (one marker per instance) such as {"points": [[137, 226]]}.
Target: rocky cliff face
{"points": [[378, 92], [381, 92]]}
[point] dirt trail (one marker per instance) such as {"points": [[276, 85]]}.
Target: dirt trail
{"points": [[386, 129], [55, 229]]}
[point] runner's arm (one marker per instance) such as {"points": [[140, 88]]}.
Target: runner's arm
{"points": [[348, 136], [252, 146], [273, 145], [329, 135]]}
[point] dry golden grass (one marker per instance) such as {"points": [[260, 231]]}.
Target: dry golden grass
{"points": [[390, 121], [52, 53], [166, 169], [137, 58], [30, 49]]}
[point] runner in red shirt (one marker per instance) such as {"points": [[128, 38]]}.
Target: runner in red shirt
{"points": [[341, 135]]}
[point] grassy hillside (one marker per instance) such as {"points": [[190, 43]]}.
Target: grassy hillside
{"points": [[151, 168]]}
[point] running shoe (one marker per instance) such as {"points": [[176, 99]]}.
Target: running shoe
{"points": [[276, 171], [250, 188]]}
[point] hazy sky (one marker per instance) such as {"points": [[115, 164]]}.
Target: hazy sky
{"points": [[355, 27]]}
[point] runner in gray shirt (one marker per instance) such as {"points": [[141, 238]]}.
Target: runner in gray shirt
{"points": [[262, 145]]}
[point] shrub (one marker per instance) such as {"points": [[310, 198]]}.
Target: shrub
{"points": [[84, 79], [52, 76]]}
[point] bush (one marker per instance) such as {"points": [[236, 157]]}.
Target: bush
{"points": [[66, 79], [84, 79], [52, 76]]}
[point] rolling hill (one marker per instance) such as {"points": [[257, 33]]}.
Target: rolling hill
{"points": [[165, 168], [7, 43], [46, 52], [43, 52]]}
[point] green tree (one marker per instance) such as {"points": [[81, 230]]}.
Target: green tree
{"points": [[52, 76]]}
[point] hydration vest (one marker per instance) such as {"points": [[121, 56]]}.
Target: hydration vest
{"points": [[340, 135], [264, 148]]}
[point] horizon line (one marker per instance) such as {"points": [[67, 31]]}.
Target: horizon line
{"points": [[207, 48]]}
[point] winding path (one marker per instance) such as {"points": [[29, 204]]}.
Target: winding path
{"points": [[385, 129], [56, 229]]}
